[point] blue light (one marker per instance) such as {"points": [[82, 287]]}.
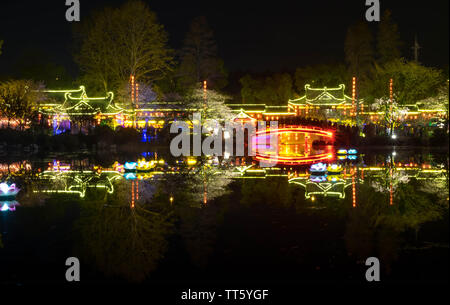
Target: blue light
{"points": [[352, 157], [130, 176], [130, 165], [318, 178], [352, 151], [144, 135]]}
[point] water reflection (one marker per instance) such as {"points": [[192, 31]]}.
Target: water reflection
{"points": [[294, 145], [124, 239], [127, 215]]}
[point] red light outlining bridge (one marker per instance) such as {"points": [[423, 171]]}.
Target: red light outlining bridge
{"points": [[294, 146]]}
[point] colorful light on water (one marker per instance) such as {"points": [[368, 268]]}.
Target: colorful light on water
{"points": [[130, 165], [8, 190], [318, 178], [318, 167], [8, 206]]}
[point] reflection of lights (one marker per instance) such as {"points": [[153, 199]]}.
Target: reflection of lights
{"points": [[130, 176], [171, 199], [394, 136], [352, 157], [318, 178], [8, 206], [333, 178], [226, 155], [342, 157], [8, 190], [318, 167], [352, 151]]}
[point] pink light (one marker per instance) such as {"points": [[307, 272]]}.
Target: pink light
{"points": [[8, 190]]}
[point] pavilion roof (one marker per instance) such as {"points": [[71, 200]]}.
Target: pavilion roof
{"points": [[76, 102]]}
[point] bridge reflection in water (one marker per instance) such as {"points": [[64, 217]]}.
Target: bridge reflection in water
{"points": [[384, 176], [293, 155], [293, 146]]}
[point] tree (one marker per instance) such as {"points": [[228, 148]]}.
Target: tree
{"points": [[412, 81], [34, 63], [147, 94], [19, 100], [272, 90], [199, 59], [122, 42], [250, 89], [359, 53], [125, 241], [321, 76], [388, 39], [393, 113], [211, 105]]}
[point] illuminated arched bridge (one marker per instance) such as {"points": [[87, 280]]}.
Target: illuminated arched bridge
{"points": [[294, 145]]}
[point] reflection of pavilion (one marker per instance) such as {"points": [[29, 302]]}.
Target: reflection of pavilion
{"points": [[76, 182], [336, 185]]}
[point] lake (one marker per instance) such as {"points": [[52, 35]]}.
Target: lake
{"points": [[150, 218]]}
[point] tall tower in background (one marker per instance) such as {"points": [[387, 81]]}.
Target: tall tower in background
{"points": [[416, 48]]}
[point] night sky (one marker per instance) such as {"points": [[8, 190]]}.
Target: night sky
{"points": [[252, 36]]}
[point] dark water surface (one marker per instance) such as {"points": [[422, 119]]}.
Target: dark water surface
{"points": [[258, 225]]}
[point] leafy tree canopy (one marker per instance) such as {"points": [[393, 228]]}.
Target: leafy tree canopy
{"points": [[199, 60], [359, 53], [388, 39], [119, 42], [19, 100], [412, 81], [321, 76], [275, 89]]}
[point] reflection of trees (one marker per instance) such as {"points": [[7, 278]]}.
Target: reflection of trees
{"points": [[191, 186], [197, 222], [271, 191], [124, 241], [437, 187], [375, 227], [390, 177]]}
